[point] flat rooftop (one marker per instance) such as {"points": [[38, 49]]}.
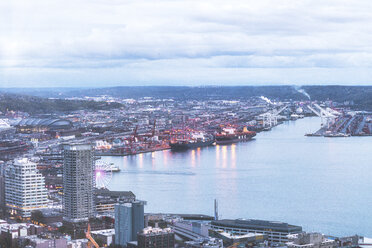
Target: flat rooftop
{"points": [[257, 225]]}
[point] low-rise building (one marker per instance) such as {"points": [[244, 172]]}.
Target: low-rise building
{"points": [[244, 240], [204, 243], [107, 236], [156, 238], [43, 242], [276, 232], [309, 240], [105, 200], [191, 229]]}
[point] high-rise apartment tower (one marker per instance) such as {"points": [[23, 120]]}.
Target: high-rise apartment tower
{"points": [[78, 182]]}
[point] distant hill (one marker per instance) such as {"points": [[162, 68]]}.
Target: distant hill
{"points": [[360, 95], [38, 105], [175, 92]]}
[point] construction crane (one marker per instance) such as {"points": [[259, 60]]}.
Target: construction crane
{"points": [[91, 242]]}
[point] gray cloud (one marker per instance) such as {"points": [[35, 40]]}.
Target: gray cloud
{"points": [[142, 41]]}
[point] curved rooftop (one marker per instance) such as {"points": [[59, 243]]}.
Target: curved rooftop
{"points": [[48, 122]]}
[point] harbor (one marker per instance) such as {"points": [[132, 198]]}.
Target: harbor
{"points": [[273, 176]]}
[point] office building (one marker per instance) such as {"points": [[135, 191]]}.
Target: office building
{"points": [[24, 188], [78, 182], [129, 220], [276, 231], [156, 238]]}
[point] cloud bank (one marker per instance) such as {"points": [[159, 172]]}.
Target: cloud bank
{"points": [[127, 42]]}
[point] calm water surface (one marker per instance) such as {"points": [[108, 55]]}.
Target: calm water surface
{"points": [[322, 184]]}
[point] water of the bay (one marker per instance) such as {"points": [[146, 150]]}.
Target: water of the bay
{"points": [[322, 184]]}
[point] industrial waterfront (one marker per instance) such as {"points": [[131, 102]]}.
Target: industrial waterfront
{"points": [[320, 183]]}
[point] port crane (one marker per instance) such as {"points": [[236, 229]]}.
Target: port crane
{"points": [[132, 140], [270, 118], [327, 115]]}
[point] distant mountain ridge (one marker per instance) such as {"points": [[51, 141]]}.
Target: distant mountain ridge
{"points": [[39, 105], [361, 96]]}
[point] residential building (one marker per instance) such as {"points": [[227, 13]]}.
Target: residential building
{"points": [[24, 188], [78, 182]]}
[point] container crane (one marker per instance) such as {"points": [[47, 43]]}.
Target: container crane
{"points": [[270, 118], [326, 115], [133, 139]]}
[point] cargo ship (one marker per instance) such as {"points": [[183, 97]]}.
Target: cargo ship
{"points": [[194, 141], [232, 135]]}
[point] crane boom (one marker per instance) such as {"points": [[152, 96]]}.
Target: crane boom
{"points": [[90, 238]]}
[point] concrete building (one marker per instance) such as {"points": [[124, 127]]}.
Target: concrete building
{"points": [[309, 240], [204, 243], [191, 229], [156, 238], [107, 236], [10, 234], [244, 240], [129, 220], [105, 200], [40, 242], [276, 231], [24, 188], [78, 182]]}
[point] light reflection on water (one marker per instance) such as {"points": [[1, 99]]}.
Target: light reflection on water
{"points": [[323, 184]]}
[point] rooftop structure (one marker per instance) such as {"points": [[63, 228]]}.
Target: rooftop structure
{"points": [[40, 123], [156, 237], [5, 129], [106, 235], [309, 240], [230, 238], [276, 231], [205, 243]]}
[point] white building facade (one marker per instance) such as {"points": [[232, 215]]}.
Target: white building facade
{"points": [[24, 188]]}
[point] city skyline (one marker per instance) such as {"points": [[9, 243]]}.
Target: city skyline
{"points": [[184, 43]]}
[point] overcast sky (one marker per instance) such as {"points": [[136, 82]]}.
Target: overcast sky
{"points": [[118, 42]]}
